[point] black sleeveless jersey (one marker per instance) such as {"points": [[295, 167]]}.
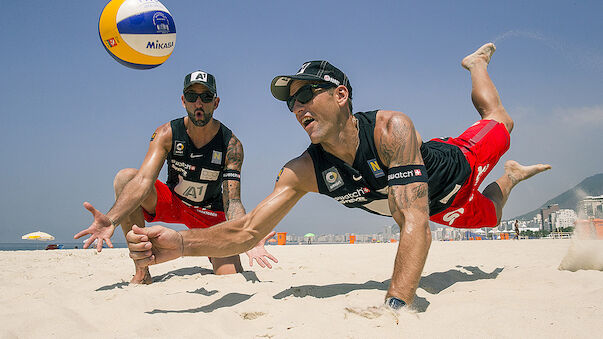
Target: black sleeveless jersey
{"points": [[195, 174], [364, 184]]}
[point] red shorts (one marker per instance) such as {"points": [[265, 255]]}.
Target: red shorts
{"points": [[172, 210], [483, 144]]}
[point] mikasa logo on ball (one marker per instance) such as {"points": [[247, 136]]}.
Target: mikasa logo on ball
{"points": [[159, 45]]}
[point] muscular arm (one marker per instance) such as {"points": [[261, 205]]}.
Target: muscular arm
{"points": [[231, 189], [242, 234], [139, 187], [398, 145]]}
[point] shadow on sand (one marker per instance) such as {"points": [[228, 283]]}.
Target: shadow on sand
{"points": [[228, 300], [433, 283], [181, 272]]}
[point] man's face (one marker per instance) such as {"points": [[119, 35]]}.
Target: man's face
{"points": [[318, 117], [199, 112]]}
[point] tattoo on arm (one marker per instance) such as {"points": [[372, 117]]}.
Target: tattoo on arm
{"points": [[393, 145], [403, 197], [234, 154], [231, 189]]}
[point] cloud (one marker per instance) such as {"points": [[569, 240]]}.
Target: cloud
{"points": [[582, 56], [581, 117]]}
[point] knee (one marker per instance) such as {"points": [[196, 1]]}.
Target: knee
{"points": [[123, 177]]}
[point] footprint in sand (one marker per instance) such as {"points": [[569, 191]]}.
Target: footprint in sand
{"points": [[251, 315]]}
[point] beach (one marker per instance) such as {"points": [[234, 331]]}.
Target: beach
{"points": [[496, 288]]}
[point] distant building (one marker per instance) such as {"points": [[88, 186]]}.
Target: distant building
{"points": [[565, 218], [591, 207], [545, 215]]}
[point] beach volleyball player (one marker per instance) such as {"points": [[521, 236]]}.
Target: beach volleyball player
{"points": [[204, 161], [371, 160]]}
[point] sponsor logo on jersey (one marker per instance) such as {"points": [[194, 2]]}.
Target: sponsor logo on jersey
{"points": [[179, 147], [374, 166], [356, 196], [194, 156], [216, 157], [182, 167], [190, 190], [209, 175], [332, 178]]}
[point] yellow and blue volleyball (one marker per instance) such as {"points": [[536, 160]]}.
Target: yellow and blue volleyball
{"points": [[140, 34]]}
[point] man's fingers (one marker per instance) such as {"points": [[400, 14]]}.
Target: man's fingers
{"points": [[144, 262], [81, 234], [99, 245], [250, 260], [271, 257], [108, 240], [89, 241], [140, 255], [138, 247], [89, 207], [133, 237], [260, 262], [266, 262]]}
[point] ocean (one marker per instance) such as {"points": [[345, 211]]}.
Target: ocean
{"points": [[32, 246]]}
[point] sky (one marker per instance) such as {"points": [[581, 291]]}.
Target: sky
{"points": [[72, 117]]}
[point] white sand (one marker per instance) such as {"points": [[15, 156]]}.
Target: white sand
{"points": [[501, 289]]}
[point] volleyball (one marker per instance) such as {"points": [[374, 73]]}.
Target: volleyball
{"points": [[140, 34]]}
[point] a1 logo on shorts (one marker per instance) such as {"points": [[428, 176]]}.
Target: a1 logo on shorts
{"points": [[332, 179], [179, 147]]}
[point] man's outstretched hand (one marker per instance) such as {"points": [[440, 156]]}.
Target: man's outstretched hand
{"points": [[101, 229], [154, 245], [260, 254]]}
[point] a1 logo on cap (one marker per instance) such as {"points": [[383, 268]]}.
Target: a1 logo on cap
{"points": [[303, 68], [199, 75]]}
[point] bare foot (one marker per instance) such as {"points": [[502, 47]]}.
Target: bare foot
{"points": [[483, 54], [517, 172], [142, 277]]}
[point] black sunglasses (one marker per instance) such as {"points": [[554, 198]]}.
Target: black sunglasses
{"points": [[206, 97], [306, 93]]}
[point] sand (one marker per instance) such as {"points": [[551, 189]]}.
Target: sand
{"points": [[470, 289]]}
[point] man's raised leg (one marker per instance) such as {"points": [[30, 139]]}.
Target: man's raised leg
{"points": [[483, 92], [487, 102], [142, 275]]}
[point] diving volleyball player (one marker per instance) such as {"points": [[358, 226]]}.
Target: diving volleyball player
{"points": [[370, 160]]}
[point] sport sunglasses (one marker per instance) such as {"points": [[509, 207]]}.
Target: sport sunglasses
{"points": [[206, 97], [306, 93]]}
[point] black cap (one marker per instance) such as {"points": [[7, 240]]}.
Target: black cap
{"points": [[320, 70], [200, 77]]}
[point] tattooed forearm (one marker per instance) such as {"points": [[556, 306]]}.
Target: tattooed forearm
{"points": [[235, 209], [404, 197]]}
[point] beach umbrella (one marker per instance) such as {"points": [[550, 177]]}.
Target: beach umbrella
{"points": [[309, 235], [43, 236]]}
